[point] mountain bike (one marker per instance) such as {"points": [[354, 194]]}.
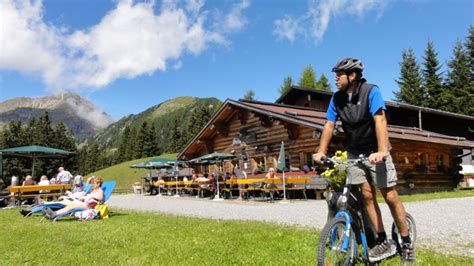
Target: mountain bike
{"points": [[347, 237]]}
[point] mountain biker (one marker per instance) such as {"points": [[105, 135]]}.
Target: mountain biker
{"points": [[361, 109]]}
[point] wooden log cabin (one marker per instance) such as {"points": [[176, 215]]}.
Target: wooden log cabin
{"points": [[426, 152]]}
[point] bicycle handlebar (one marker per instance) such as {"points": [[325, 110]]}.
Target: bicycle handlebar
{"points": [[351, 162]]}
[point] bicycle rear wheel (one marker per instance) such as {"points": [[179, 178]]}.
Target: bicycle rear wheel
{"points": [[411, 228], [330, 251]]}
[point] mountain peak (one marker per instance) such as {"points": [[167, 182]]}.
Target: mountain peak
{"points": [[68, 107]]}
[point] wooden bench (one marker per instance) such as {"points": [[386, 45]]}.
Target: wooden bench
{"points": [[25, 192], [301, 181]]}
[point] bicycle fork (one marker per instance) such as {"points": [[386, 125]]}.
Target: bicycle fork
{"points": [[347, 239], [347, 229]]}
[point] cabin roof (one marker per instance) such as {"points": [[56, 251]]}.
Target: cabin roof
{"points": [[296, 91], [315, 119]]}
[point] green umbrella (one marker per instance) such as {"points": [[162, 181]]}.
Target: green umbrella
{"points": [[33, 152], [281, 166], [215, 157], [138, 165], [162, 163], [212, 158]]}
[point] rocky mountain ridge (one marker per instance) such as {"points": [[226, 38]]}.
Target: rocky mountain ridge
{"points": [[79, 114]]}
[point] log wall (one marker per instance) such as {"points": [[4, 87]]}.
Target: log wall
{"points": [[421, 167]]}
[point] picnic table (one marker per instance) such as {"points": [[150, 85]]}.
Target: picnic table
{"points": [[25, 192], [243, 186]]}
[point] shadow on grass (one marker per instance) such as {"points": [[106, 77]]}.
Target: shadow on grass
{"points": [[113, 214]]}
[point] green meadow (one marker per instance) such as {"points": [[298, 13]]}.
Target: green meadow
{"points": [[131, 238]]}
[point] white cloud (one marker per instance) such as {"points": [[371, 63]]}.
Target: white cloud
{"points": [[234, 20], [286, 28], [129, 41], [27, 43], [315, 21]]}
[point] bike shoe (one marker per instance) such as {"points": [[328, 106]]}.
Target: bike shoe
{"points": [[382, 251], [408, 253]]}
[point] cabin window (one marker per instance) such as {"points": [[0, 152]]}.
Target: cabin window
{"points": [[309, 159], [421, 162], [403, 158], [442, 162]]}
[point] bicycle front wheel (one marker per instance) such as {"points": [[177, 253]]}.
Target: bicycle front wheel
{"points": [[330, 246]]}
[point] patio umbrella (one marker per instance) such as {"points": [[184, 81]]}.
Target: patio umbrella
{"points": [[162, 163], [281, 166], [139, 165], [215, 157], [33, 152], [156, 163], [212, 157]]}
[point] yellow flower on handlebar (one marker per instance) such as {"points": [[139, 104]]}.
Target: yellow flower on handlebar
{"points": [[335, 176]]}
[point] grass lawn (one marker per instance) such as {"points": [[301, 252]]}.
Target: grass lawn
{"points": [[149, 238], [434, 195], [126, 176], [438, 195]]}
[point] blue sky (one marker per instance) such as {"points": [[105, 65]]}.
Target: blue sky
{"points": [[126, 56]]}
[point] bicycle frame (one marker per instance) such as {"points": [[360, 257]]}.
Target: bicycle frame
{"points": [[345, 212], [350, 230]]}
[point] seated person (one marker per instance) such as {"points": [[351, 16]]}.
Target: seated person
{"points": [[29, 181], [44, 181], [194, 181], [269, 178], [78, 191], [15, 181], [78, 179], [89, 201], [203, 181]]}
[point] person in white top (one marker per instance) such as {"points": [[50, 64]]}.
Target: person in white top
{"points": [[15, 181], [87, 202], [44, 182], [78, 179], [63, 177]]}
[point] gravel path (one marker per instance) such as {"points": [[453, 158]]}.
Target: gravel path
{"points": [[445, 225]]}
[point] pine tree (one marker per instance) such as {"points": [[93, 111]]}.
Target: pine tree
{"points": [[63, 139], [93, 158], [287, 83], [410, 81], [14, 135], [148, 144], [45, 130], [123, 148], [198, 120], [142, 141], [308, 78], [133, 148], [154, 138], [469, 46], [33, 132], [432, 79], [323, 83], [249, 95], [455, 95], [174, 138]]}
